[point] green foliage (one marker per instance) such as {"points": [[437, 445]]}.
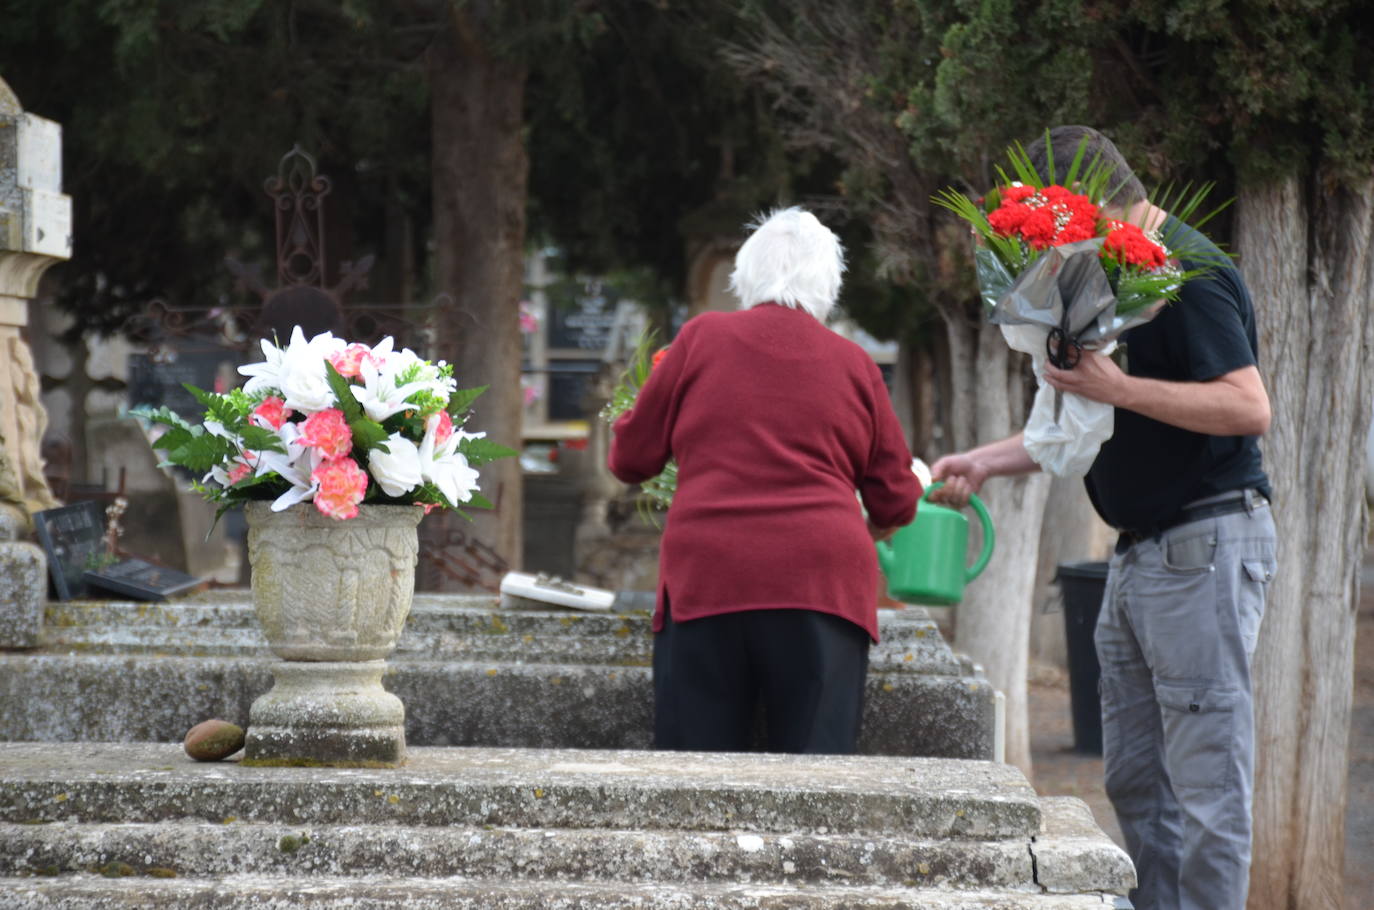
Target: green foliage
{"points": [[462, 399], [157, 99], [480, 451], [643, 142], [657, 492]]}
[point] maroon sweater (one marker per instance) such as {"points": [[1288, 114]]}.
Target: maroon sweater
{"points": [[775, 422]]}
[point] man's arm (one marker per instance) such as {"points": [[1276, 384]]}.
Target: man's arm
{"points": [[964, 473], [1233, 404]]}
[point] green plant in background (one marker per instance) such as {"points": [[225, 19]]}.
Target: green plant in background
{"points": [[655, 494]]}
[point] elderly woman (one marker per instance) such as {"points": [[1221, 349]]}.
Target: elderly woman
{"points": [[768, 583]]}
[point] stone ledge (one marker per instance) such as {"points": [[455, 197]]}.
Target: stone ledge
{"points": [[266, 893], [1071, 854], [65, 698], [463, 627], [207, 850], [918, 798]]}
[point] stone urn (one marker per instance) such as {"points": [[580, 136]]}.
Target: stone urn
{"points": [[332, 597]]}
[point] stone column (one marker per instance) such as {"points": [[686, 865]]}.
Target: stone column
{"points": [[35, 233]]}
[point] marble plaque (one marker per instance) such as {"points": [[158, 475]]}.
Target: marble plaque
{"points": [[48, 228], [40, 154]]}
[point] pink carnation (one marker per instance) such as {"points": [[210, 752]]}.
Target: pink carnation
{"points": [[350, 360], [328, 431], [272, 412], [342, 485], [444, 430], [239, 471]]}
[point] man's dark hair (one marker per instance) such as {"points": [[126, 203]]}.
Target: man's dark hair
{"points": [[1124, 189]]}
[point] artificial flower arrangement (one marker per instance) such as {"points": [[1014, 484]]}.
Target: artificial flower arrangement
{"points": [[335, 424], [1060, 275], [657, 492]]}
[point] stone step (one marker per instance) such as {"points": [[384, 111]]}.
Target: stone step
{"points": [[1077, 859], [440, 625], [69, 698], [242, 892], [530, 788], [208, 849]]}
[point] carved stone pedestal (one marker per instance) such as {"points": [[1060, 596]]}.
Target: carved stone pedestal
{"points": [[332, 597]]}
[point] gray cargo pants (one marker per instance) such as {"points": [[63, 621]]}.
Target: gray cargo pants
{"points": [[1178, 627]]}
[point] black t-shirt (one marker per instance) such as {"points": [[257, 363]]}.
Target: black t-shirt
{"points": [[1148, 470]]}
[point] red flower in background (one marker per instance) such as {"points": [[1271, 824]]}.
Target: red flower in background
{"points": [[658, 355]]}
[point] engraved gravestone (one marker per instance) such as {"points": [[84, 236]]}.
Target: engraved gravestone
{"points": [[73, 537]]}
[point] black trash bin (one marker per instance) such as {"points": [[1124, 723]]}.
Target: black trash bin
{"points": [[1082, 585]]}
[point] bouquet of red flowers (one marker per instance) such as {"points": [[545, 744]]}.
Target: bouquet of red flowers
{"points": [[1061, 276]]}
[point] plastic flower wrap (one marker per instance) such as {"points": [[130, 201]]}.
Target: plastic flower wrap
{"points": [[337, 425], [657, 492], [1061, 276]]}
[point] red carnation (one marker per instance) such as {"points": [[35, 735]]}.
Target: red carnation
{"points": [[1127, 244], [1039, 228], [1007, 219]]}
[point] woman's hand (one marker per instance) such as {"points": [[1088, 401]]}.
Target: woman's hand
{"points": [[878, 533]]}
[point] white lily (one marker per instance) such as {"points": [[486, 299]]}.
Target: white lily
{"points": [[266, 374], [295, 466], [446, 467], [406, 362], [379, 394]]}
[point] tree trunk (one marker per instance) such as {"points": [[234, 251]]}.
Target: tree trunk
{"points": [[1306, 255], [992, 624], [480, 171], [1072, 532]]}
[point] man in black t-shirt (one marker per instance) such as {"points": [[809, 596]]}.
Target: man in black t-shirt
{"points": [[1181, 479]]}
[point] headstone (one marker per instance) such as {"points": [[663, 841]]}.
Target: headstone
{"points": [[585, 321], [139, 579], [161, 380], [73, 538]]}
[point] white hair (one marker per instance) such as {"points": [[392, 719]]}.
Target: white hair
{"points": [[791, 259]]}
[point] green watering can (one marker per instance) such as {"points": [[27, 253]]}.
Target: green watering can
{"points": [[924, 561]]}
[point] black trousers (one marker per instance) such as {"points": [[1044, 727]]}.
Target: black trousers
{"points": [[805, 669]]}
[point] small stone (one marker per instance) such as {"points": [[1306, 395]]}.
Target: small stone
{"points": [[213, 740]]}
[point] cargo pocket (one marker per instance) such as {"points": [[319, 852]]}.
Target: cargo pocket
{"points": [[1199, 735], [1254, 588]]}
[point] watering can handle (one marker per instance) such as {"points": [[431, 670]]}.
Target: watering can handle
{"points": [[989, 536]]}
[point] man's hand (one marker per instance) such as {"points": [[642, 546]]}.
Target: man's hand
{"points": [[1095, 377], [963, 476]]}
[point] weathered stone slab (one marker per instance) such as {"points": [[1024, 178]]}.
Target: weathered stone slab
{"points": [[468, 672], [1071, 855], [265, 893], [917, 798], [110, 825], [208, 849], [452, 626], [23, 593]]}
